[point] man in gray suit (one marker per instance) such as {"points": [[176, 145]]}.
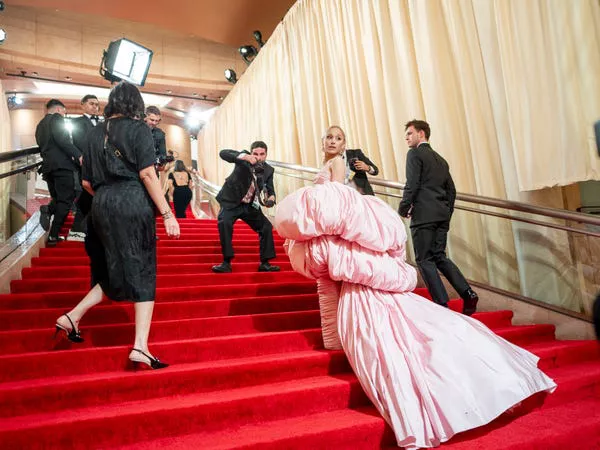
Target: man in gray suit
{"points": [[428, 200]]}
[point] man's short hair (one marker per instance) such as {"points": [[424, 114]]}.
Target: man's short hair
{"points": [[53, 103], [153, 110], [88, 97], [419, 125], [258, 144]]}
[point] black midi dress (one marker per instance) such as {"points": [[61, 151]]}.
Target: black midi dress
{"points": [[121, 240]]}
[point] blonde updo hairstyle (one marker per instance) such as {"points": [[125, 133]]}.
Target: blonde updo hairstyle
{"points": [[332, 127]]}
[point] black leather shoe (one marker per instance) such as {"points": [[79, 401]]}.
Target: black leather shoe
{"points": [[266, 267], [45, 217], [470, 299], [52, 241], [224, 267]]}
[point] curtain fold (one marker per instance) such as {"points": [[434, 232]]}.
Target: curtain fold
{"points": [[510, 88]]}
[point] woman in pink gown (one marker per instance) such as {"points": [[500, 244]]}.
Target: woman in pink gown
{"points": [[431, 372]]}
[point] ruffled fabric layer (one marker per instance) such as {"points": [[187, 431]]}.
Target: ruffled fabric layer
{"points": [[430, 372]]}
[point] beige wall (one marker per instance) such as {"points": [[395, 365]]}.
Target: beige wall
{"points": [[59, 43], [178, 140], [23, 123]]}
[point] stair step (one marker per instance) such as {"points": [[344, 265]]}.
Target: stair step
{"points": [[272, 401], [48, 394], [204, 258], [105, 335], [131, 422], [112, 312], [188, 241], [67, 298], [59, 250], [111, 359], [363, 429], [162, 281]]}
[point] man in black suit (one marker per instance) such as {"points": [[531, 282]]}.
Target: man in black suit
{"points": [[152, 119], [428, 200], [60, 162], [81, 126], [361, 166], [240, 198]]}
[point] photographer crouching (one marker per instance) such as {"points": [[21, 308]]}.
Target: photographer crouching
{"points": [[249, 186]]}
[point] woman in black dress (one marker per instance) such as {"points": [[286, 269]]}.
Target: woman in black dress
{"points": [[118, 170], [179, 187]]}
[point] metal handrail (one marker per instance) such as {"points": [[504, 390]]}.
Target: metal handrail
{"points": [[18, 154], [209, 187], [479, 200]]}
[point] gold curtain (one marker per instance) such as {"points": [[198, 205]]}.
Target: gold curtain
{"points": [[510, 88]]}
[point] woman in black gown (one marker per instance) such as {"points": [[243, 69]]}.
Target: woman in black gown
{"points": [[118, 170], [179, 188]]}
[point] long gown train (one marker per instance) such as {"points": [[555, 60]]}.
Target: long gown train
{"points": [[430, 372]]}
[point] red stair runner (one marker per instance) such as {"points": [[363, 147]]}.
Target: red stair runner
{"points": [[248, 369]]}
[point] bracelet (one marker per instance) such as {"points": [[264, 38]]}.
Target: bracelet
{"points": [[167, 214]]}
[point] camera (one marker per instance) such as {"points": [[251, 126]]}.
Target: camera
{"points": [[352, 161], [162, 160]]}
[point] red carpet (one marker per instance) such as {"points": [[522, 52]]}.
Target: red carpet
{"points": [[248, 370]]}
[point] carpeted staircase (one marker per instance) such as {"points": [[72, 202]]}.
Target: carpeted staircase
{"points": [[247, 366]]}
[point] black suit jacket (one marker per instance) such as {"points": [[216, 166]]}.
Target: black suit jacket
{"points": [[238, 182], [429, 189], [360, 177], [56, 148], [160, 144], [81, 127]]}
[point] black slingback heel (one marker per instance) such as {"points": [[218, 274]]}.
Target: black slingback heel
{"points": [[154, 363], [73, 334]]}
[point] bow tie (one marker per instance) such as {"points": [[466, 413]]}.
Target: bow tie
{"points": [[95, 118]]}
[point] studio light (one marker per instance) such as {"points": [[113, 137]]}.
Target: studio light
{"points": [[14, 101], [126, 60], [2, 35], [230, 76], [248, 53], [258, 37]]}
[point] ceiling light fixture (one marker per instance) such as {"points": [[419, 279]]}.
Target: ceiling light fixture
{"points": [[258, 37], [248, 53], [230, 76]]}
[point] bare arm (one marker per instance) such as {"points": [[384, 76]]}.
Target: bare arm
{"points": [[170, 189], [87, 186], [338, 170]]}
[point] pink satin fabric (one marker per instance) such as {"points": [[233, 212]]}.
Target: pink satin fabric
{"points": [[430, 372]]}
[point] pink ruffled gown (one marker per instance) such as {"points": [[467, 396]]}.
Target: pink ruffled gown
{"points": [[430, 372]]}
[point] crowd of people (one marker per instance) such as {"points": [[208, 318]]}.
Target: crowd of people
{"points": [[421, 364]]}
